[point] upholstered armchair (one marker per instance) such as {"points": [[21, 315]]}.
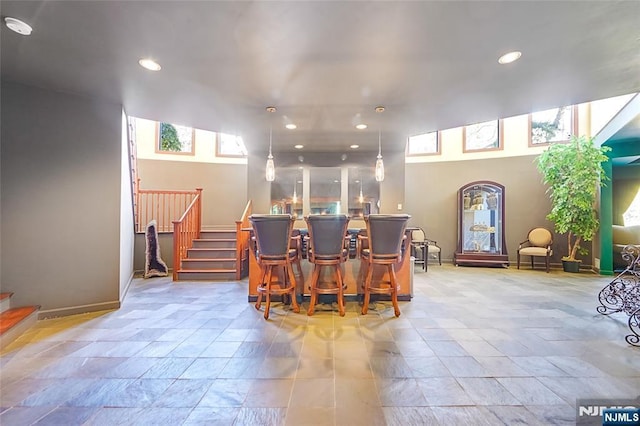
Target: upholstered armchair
{"points": [[538, 243]]}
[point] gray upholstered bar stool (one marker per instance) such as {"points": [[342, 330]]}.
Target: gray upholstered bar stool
{"points": [[273, 236], [386, 234], [327, 247]]}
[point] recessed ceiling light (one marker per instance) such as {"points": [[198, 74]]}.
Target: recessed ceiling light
{"points": [[507, 58], [361, 126], [354, 146], [291, 126], [298, 146], [18, 26], [149, 64]]}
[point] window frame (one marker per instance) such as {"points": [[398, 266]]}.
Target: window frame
{"points": [[573, 123], [438, 150], [159, 142], [500, 146]]}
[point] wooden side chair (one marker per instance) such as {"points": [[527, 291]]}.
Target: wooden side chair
{"points": [[385, 236], [327, 246], [273, 237], [538, 243]]}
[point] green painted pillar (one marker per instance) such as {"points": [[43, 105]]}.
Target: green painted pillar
{"points": [[606, 221]]}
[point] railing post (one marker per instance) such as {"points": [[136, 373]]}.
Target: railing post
{"points": [[239, 247], [199, 212], [176, 248]]}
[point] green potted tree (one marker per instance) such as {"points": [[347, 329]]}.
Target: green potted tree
{"points": [[574, 173]]}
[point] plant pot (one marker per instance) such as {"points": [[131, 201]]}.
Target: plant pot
{"points": [[571, 265]]}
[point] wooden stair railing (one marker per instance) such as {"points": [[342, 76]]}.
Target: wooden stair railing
{"points": [[185, 230], [242, 239], [165, 206]]}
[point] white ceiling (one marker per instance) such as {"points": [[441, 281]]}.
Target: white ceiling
{"points": [[433, 65]]}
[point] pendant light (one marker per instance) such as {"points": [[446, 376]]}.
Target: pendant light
{"points": [[379, 173], [295, 194], [270, 173], [360, 197]]}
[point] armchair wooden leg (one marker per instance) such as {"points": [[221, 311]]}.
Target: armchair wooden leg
{"points": [[547, 263], [518, 260]]}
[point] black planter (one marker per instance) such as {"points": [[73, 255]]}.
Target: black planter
{"points": [[571, 265]]}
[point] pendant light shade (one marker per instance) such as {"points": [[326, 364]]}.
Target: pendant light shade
{"points": [[270, 171], [295, 194], [379, 173]]}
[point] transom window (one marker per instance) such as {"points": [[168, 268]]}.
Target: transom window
{"points": [[552, 125], [175, 138], [483, 136], [228, 145], [424, 144]]}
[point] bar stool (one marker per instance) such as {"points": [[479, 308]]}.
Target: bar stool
{"points": [[327, 241], [386, 234], [273, 236]]}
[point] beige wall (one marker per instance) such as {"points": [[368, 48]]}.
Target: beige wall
{"points": [[224, 194], [431, 199], [61, 193]]}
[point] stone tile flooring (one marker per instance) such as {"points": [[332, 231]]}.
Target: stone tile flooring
{"points": [[474, 346]]}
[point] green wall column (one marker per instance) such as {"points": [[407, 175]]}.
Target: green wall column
{"points": [[606, 221]]}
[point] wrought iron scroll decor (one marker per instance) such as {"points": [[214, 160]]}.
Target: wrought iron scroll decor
{"points": [[622, 294]]}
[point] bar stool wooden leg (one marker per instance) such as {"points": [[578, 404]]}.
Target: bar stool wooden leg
{"points": [[262, 283], [367, 293], [268, 292], [340, 285], [313, 289], [292, 286], [394, 290]]}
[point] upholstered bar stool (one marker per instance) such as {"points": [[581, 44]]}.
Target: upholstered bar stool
{"points": [[327, 247], [386, 234], [273, 236]]}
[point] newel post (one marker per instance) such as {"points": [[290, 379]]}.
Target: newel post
{"points": [[176, 248], [199, 213]]}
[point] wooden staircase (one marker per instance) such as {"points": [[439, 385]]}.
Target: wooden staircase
{"points": [[212, 257], [14, 321]]}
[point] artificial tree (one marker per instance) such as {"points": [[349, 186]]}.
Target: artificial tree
{"points": [[573, 171]]}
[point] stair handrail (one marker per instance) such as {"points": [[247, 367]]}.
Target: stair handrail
{"points": [[242, 238], [163, 205], [185, 230]]}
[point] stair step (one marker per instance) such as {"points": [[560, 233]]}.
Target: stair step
{"points": [[211, 253], [15, 321], [218, 233], [215, 243], [209, 264], [206, 275], [5, 301]]}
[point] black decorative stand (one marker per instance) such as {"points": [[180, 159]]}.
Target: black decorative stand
{"points": [[623, 293]]}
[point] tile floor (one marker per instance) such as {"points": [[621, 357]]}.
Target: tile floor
{"points": [[474, 346]]}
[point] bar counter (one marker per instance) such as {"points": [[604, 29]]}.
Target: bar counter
{"points": [[354, 271]]}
